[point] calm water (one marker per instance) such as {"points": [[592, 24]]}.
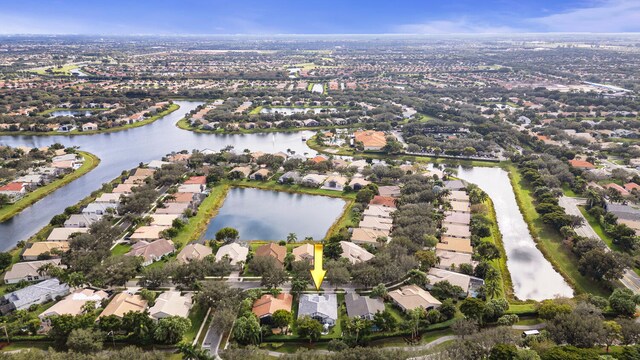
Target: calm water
{"points": [[532, 275], [124, 150], [70, 113], [272, 215]]}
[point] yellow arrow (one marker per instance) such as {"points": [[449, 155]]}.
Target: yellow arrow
{"points": [[317, 273]]}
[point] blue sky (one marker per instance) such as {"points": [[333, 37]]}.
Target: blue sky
{"points": [[166, 17]]}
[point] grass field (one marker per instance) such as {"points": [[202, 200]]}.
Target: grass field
{"points": [[595, 224], [197, 225], [506, 286], [549, 241], [120, 249], [90, 162]]}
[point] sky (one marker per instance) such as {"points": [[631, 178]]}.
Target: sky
{"points": [[264, 17]]}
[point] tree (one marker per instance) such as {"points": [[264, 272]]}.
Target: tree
{"points": [[379, 291], [630, 331], [281, 319], [309, 328], [298, 285], [274, 277], [291, 238], [139, 324], [448, 309], [503, 352], [84, 341], [601, 265], [583, 327], [170, 330], [445, 290], [612, 333], [549, 309], [495, 308], [417, 277], [193, 352], [227, 234], [63, 325], [217, 295], [464, 327], [488, 251], [5, 260], [623, 302], [413, 323], [385, 321], [247, 330], [364, 196], [337, 273], [154, 277], [427, 259], [473, 308]]}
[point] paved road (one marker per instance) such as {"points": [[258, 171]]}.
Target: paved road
{"points": [[630, 279], [212, 341]]}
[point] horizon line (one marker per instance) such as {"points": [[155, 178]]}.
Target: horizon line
{"points": [[326, 34]]}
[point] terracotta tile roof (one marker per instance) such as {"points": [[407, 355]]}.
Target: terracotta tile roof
{"points": [[267, 304], [581, 164], [201, 180], [370, 138], [631, 186], [274, 250], [387, 201], [13, 186]]}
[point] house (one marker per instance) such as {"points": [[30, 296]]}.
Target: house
{"points": [[412, 297], [290, 177], [171, 303], [135, 180], [389, 191], [173, 208], [199, 180], [14, 190], [358, 183], [81, 220], [370, 139], [183, 197], [36, 294], [109, 198], [354, 253], [193, 251], [622, 191], [235, 252], [63, 234], [457, 231], [449, 260], [74, 303], [376, 223], [380, 211], [273, 250], [260, 175], [335, 182], [581, 164], [125, 189], [456, 217], [322, 307], [625, 212], [386, 201], [191, 188], [368, 236], [437, 275], [41, 247], [631, 186], [147, 233], [313, 180], [455, 244], [455, 185], [100, 209], [156, 164], [304, 252], [89, 126], [28, 271], [146, 172], [151, 251], [123, 303], [458, 195], [163, 219], [268, 304], [363, 307], [240, 172], [460, 206]]}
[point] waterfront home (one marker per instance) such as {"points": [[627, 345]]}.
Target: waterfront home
{"points": [[380, 211], [64, 233], [437, 275], [152, 251], [171, 303], [193, 251], [268, 304], [457, 231], [163, 219], [455, 185], [191, 188], [172, 208], [368, 236], [376, 223], [81, 220], [200, 180], [156, 164], [100, 209], [460, 206], [124, 189], [123, 303], [36, 294], [89, 126], [74, 303], [240, 172], [450, 260], [290, 177], [14, 190], [358, 183], [147, 233], [313, 180], [458, 195], [146, 172], [235, 252], [386, 201], [273, 250], [354, 253], [322, 307], [109, 198], [363, 307], [44, 247], [457, 217], [412, 297], [28, 271], [304, 252], [370, 139], [335, 182], [260, 175], [455, 244]]}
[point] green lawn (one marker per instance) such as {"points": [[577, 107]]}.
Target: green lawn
{"points": [[197, 318], [506, 287], [549, 241], [120, 249], [595, 224], [197, 225], [90, 162], [567, 191]]}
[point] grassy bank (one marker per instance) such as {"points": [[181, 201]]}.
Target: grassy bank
{"points": [[197, 225], [549, 241], [506, 286], [172, 108], [184, 125], [90, 162]]}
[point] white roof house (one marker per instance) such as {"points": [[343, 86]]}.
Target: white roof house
{"points": [[354, 253], [322, 307], [73, 303], [28, 271], [33, 294], [63, 234], [194, 252], [235, 252], [171, 303]]}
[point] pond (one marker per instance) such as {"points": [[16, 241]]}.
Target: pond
{"points": [[532, 275], [71, 113], [272, 215], [292, 110]]}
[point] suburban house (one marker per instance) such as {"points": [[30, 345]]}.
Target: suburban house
{"points": [[163, 219], [81, 220], [456, 217], [192, 188], [100, 209], [389, 191], [109, 198], [235, 252], [457, 231], [241, 172], [124, 189], [40, 247], [147, 233], [625, 212], [36, 294], [379, 211], [358, 183], [290, 177], [451, 259], [376, 223], [455, 244], [173, 208], [14, 190], [89, 126], [152, 251], [322, 307], [437, 275], [28, 271], [171, 303], [460, 206], [73, 303], [123, 303], [303, 252], [313, 180], [260, 175], [363, 307], [354, 253], [63, 234], [273, 250], [386, 201], [412, 297], [455, 185], [368, 236], [370, 139], [335, 182], [193, 251], [267, 304]]}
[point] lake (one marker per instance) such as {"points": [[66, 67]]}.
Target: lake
{"points": [[293, 110], [71, 113], [272, 215], [124, 150], [532, 275]]}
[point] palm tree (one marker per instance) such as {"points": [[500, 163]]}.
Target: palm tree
{"points": [[491, 288], [291, 238]]}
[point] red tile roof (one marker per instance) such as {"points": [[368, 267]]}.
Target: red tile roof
{"points": [[581, 164], [617, 187], [13, 186], [631, 186], [200, 180], [384, 201]]}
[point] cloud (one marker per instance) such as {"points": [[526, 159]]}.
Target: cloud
{"points": [[603, 16], [457, 26]]}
